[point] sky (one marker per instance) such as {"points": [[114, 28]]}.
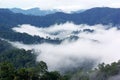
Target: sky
{"points": [[65, 5]]}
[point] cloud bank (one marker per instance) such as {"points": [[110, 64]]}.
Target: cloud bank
{"points": [[102, 45], [65, 5], [54, 31]]}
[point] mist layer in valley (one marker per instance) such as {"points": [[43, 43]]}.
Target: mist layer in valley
{"points": [[82, 45]]}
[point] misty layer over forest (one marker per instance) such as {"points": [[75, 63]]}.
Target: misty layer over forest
{"points": [[80, 44], [60, 46]]}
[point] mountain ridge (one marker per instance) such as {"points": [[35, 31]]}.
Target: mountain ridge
{"points": [[33, 11], [92, 16]]}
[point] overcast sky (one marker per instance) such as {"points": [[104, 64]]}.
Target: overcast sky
{"points": [[66, 5]]}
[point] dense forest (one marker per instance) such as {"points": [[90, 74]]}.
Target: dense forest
{"points": [[19, 64]]}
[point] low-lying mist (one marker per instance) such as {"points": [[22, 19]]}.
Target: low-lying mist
{"points": [[101, 45], [55, 31]]}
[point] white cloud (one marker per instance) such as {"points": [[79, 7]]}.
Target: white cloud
{"points": [[65, 5], [71, 54], [62, 31]]}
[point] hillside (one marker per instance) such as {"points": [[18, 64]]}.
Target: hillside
{"points": [[73, 46], [33, 11], [91, 17]]}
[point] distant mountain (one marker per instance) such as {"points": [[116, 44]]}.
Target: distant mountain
{"points": [[98, 15], [92, 16], [9, 19], [33, 11], [78, 11]]}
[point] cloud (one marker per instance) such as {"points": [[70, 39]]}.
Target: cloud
{"points": [[62, 31], [101, 45], [65, 5], [116, 77]]}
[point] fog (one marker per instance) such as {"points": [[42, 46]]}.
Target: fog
{"points": [[116, 77], [102, 45], [54, 31]]}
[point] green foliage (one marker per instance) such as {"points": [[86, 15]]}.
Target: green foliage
{"points": [[51, 76], [110, 69], [19, 57], [41, 67], [19, 64], [6, 71]]}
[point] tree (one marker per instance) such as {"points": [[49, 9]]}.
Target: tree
{"points": [[41, 68], [51, 76], [6, 71]]}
